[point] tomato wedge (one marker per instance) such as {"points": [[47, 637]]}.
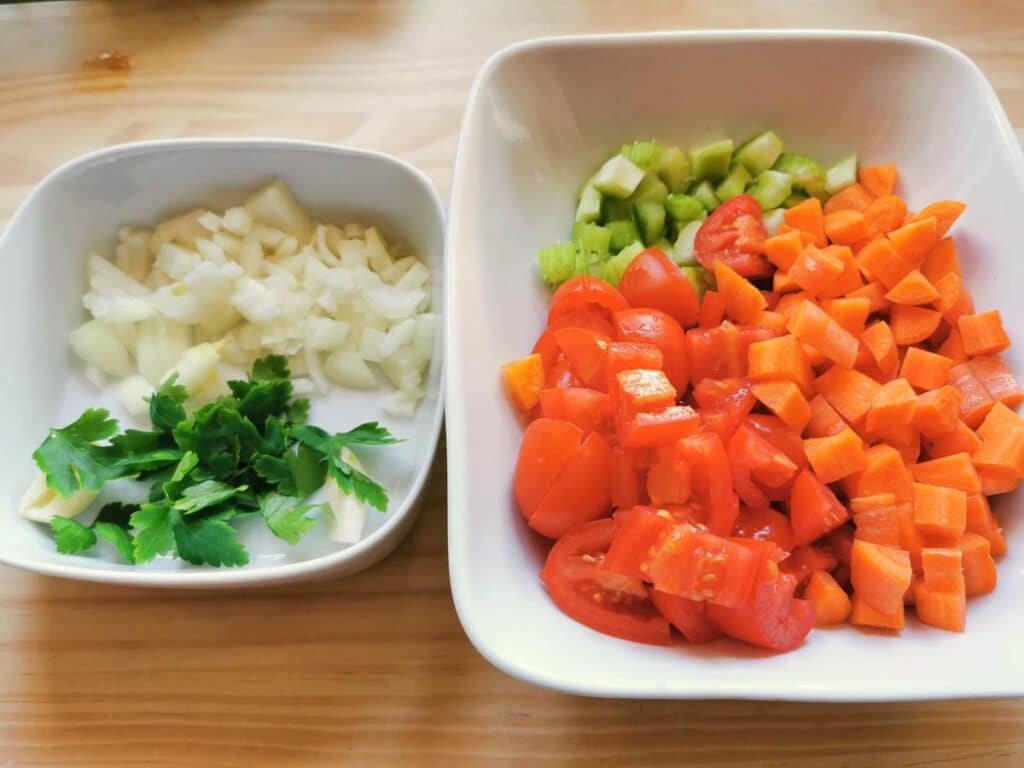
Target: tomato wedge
{"points": [[596, 597], [698, 565], [712, 480], [652, 326], [586, 351], [764, 524], [625, 480], [588, 409], [547, 446], [583, 292], [592, 317], [581, 492], [690, 617], [653, 280], [734, 234], [641, 530], [813, 509]]}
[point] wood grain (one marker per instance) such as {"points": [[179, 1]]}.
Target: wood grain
{"points": [[374, 669]]}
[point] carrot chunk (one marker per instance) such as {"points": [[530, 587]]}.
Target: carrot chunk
{"points": [[940, 511], [955, 471], [849, 392], [879, 180], [892, 406], [830, 601], [837, 456], [925, 370], [983, 334], [783, 250], [807, 217], [886, 213], [912, 325], [785, 400], [913, 241], [913, 289]]}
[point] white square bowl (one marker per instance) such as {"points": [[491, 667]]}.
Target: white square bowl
{"points": [[80, 206], [541, 117]]}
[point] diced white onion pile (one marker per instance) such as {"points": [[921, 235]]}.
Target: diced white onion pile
{"points": [[257, 279]]}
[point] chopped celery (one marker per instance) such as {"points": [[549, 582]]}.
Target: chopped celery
{"points": [[674, 169], [616, 210], [733, 184], [650, 189], [589, 207], [618, 177], [645, 154], [795, 198], [706, 195], [698, 277], [771, 188], [591, 238], [759, 153], [682, 252], [613, 269], [684, 208], [557, 262], [772, 219], [650, 219], [622, 234], [841, 175], [807, 175], [712, 160]]}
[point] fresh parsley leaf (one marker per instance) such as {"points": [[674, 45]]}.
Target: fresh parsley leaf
{"points": [[352, 481], [70, 459], [155, 536], [274, 442], [275, 471], [143, 451], [370, 433], [116, 513], [167, 405], [271, 367], [286, 517], [119, 537], [208, 493], [348, 478], [298, 411], [308, 469], [208, 541], [265, 399], [72, 537], [172, 486]]}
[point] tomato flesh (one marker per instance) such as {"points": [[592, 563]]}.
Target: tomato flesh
{"points": [[588, 409], [734, 233], [690, 617], [813, 509], [653, 280], [764, 524], [625, 480], [585, 292], [646, 429], [585, 350], [652, 326], [772, 618], [581, 492], [641, 531], [547, 446], [701, 566]]}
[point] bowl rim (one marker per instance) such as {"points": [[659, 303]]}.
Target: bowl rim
{"points": [[205, 577], [1002, 687]]}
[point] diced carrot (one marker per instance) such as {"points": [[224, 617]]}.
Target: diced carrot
{"points": [[955, 471], [768, 319], [743, 301], [913, 241], [854, 197], [812, 325], [975, 401], [953, 300], [880, 261], [874, 293], [981, 521], [945, 610], [905, 438], [523, 380], [893, 405], [850, 313], [779, 359], [846, 227], [784, 399], [879, 524], [808, 217], [983, 334], [999, 460], [912, 325], [980, 575], [886, 213], [783, 250], [938, 411], [835, 457], [880, 575], [941, 261], [824, 420], [953, 347], [912, 289], [805, 237], [879, 180], [995, 375], [943, 568], [961, 439], [865, 615], [782, 283], [925, 370], [849, 392], [911, 539], [860, 504], [789, 302], [940, 511], [818, 272], [712, 310], [945, 213], [879, 341], [816, 360], [851, 279], [830, 601], [884, 472]]}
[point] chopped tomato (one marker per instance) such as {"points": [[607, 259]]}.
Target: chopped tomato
{"points": [[701, 566], [653, 280], [721, 352], [651, 326], [690, 617], [734, 233], [586, 351], [813, 509], [596, 597], [582, 292], [588, 409], [641, 389], [547, 446], [647, 429], [562, 375], [631, 355], [641, 530], [723, 404], [668, 479], [581, 491], [547, 349], [764, 524], [625, 480], [712, 480], [804, 560], [592, 317]]}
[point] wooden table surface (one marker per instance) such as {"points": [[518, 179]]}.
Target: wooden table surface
{"points": [[373, 669]]}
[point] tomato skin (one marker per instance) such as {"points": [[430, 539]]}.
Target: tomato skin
{"points": [[813, 509], [588, 409], [711, 477], [772, 618], [648, 429], [804, 560], [690, 617], [586, 352], [653, 280], [581, 492], [734, 233], [547, 349], [651, 326], [625, 480], [561, 375], [764, 524], [547, 446], [592, 317], [582, 292], [701, 566], [598, 598], [668, 479], [779, 434], [641, 530]]}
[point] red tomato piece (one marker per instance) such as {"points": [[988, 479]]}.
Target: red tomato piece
{"points": [[596, 597], [690, 617], [772, 618], [804, 560], [583, 291], [547, 446], [580, 493], [734, 233], [641, 389], [741, 449], [547, 349], [592, 317], [701, 566], [712, 480], [653, 280], [630, 355], [813, 509], [586, 351], [668, 479], [764, 524], [782, 436], [625, 479], [588, 409], [648, 429], [723, 404], [641, 530], [651, 326], [562, 375]]}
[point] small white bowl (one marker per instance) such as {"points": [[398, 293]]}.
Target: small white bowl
{"points": [[80, 206], [541, 117]]}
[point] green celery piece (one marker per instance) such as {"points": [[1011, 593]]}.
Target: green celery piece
{"points": [[706, 194], [771, 188], [618, 177], [616, 210], [650, 219], [795, 198], [733, 184], [684, 208], [808, 176], [712, 161], [674, 169], [557, 262], [645, 154], [591, 237], [682, 251], [622, 234], [613, 269], [841, 175], [759, 153], [650, 189], [589, 207]]}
